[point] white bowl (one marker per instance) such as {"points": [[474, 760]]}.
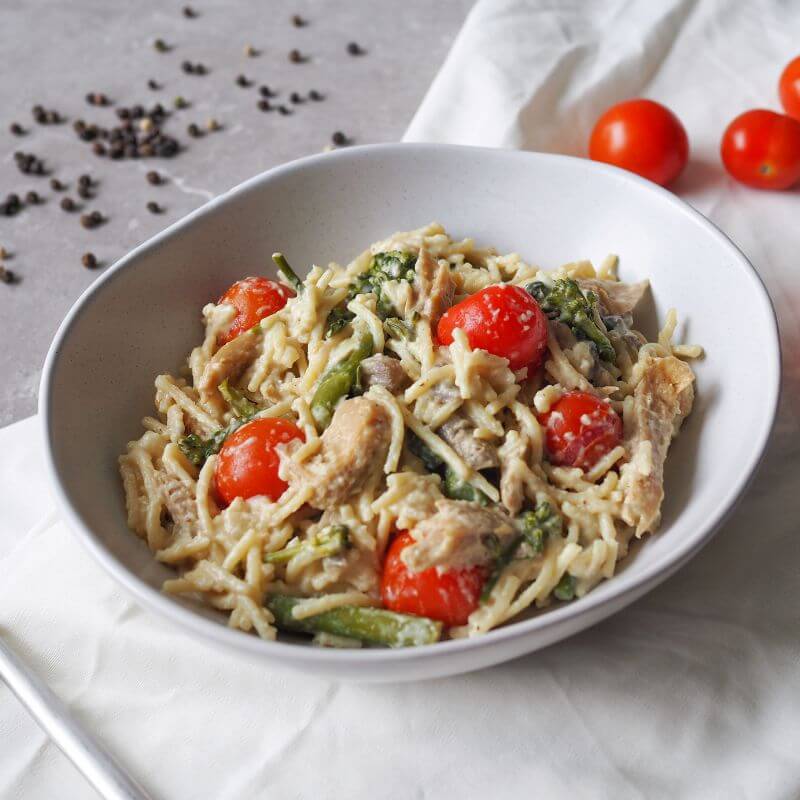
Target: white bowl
{"points": [[142, 318]]}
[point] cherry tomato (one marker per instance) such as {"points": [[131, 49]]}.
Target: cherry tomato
{"points": [[762, 149], [253, 299], [789, 88], [580, 429], [248, 463], [449, 596], [643, 137], [503, 320]]}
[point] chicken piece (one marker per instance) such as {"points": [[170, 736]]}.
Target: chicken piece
{"points": [[230, 361], [661, 401], [454, 536], [434, 287], [354, 448], [615, 297], [380, 370], [458, 432], [513, 471], [180, 505]]}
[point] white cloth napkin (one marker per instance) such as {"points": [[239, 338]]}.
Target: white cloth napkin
{"points": [[694, 692]]}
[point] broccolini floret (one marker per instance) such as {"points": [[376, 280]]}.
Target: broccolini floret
{"points": [[291, 277], [330, 541], [565, 589], [564, 301], [532, 528]]}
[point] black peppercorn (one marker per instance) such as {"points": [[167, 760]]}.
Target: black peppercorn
{"points": [[68, 204], [242, 81], [160, 45], [56, 185], [32, 199], [296, 57], [354, 49], [154, 208], [339, 138], [315, 95], [189, 12], [298, 21], [264, 105], [89, 260], [153, 178], [17, 129], [295, 97]]}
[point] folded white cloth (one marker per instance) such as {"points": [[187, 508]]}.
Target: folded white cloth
{"points": [[692, 693]]}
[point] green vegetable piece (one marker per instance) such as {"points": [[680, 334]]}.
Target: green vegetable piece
{"points": [[394, 265], [337, 319], [565, 590], [457, 489], [288, 273], [240, 404], [197, 449], [338, 382], [374, 625], [565, 302], [328, 542], [431, 461], [398, 328], [533, 527]]}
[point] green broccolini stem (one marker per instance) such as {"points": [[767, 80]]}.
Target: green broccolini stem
{"points": [[338, 382], [457, 489], [240, 404], [565, 589], [288, 273], [328, 542], [374, 625]]}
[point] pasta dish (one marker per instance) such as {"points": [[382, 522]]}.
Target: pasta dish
{"points": [[426, 443]]}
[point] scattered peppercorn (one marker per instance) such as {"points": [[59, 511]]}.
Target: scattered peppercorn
{"points": [[68, 204], [84, 192], [315, 95], [32, 198], [29, 164], [200, 69], [264, 105], [6, 275], [97, 99], [180, 102], [298, 21], [189, 12], [161, 46], [86, 221], [242, 80], [151, 84], [250, 51], [89, 260], [96, 217], [339, 138], [187, 67], [17, 129], [295, 97], [154, 208], [56, 185], [194, 131], [285, 110], [354, 49], [296, 57], [85, 181], [265, 91], [153, 178]]}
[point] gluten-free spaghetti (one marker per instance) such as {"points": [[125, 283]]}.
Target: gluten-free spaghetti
{"points": [[425, 443]]}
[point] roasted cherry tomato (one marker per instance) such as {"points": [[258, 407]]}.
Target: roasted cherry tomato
{"points": [[643, 137], [762, 149], [503, 320], [247, 464], [253, 299], [449, 596], [789, 88], [580, 429]]}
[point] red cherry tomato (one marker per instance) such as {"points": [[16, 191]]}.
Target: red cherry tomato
{"points": [[248, 463], [789, 88], [762, 149], [449, 596], [643, 137], [580, 429], [253, 299], [503, 320]]}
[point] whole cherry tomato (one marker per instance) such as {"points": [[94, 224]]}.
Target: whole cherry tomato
{"points": [[641, 136], [247, 464], [503, 320], [254, 299], [762, 149], [789, 88], [450, 596], [580, 429]]}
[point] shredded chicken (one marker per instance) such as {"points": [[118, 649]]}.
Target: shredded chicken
{"points": [[434, 287], [380, 370], [512, 471], [230, 361], [458, 432], [455, 536], [663, 398], [181, 506], [351, 458], [615, 297]]}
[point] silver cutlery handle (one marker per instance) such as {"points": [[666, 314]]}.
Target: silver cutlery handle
{"points": [[97, 765]]}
